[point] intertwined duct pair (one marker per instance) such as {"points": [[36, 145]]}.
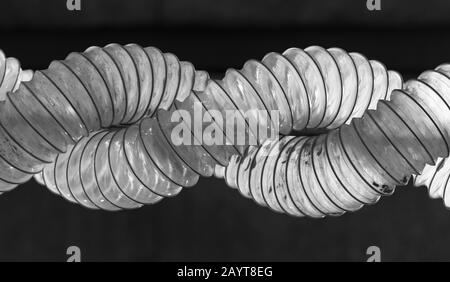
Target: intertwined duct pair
{"points": [[95, 128]]}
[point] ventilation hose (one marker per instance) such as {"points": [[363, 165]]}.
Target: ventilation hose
{"points": [[97, 128]]}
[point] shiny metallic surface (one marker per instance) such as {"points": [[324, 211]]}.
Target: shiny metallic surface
{"points": [[95, 128]]}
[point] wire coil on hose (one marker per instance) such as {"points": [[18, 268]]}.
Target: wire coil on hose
{"points": [[103, 90], [345, 168], [96, 129], [317, 89], [355, 164], [436, 177], [11, 75]]}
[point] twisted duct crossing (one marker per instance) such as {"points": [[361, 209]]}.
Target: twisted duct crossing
{"points": [[95, 128]]}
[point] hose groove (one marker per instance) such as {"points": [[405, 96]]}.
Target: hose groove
{"points": [[97, 128]]}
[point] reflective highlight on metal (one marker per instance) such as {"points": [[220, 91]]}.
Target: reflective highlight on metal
{"points": [[95, 128]]}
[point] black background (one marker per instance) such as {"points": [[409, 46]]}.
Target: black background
{"points": [[212, 221]]}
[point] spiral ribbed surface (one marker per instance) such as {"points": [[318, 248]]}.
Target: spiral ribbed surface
{"points": [[436, 177], [73, 126], [369, 153], [11, 75], [350, 130]]}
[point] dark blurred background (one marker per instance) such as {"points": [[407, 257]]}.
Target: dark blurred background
{"points": [[211, 221]]}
